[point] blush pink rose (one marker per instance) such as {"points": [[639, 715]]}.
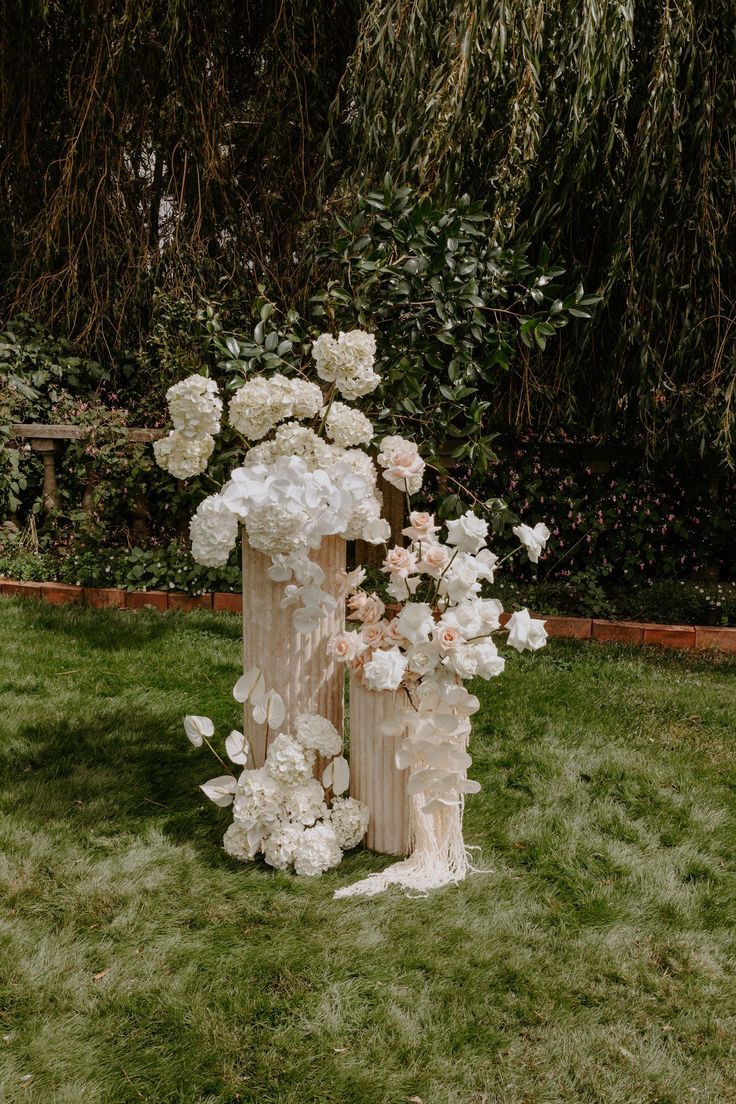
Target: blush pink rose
{"points": [[400, 561], [449, 638]]}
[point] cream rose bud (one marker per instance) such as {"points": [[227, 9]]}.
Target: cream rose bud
{"points": [[421, 526], [435, 558], [373, 635], [385, 670], [346, 646], [402, 464], [526, 633], [489, 662], [415, 622], [447, 636], [468, 532], [372, 610], [533, 540], [400, 561]]}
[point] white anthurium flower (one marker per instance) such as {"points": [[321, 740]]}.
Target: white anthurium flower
{"points": [[533, 540], [437, 804], [307, 619], [525, 632], [336, 775], [438, 781], [198, 729], [269, 709], [249, 686], [236, 747], [220, 790]]}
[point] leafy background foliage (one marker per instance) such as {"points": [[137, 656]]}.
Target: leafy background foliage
{"points": [[179, 148]]}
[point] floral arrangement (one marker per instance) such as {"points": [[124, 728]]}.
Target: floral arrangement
{"points": [[280, 810], [305, 474], [440, 634]]}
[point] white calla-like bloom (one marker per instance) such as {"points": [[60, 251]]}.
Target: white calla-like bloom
{"points": [[336, 775], [534, 540], [237, 748], [269, 709], [198, 729], [220, 790], [249, 686]]}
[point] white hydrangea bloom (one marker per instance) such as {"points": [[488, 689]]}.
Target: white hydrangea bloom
{"points": [[213, 531], [347, 427], [280, 845], [288, 762], [195, 406], [182, 456], [260, 404], [347, 362], [402, 464], [350, 819], [293, 439], [317, 850], [237, 843], [259, 799], [316, 733], [306, 803]]}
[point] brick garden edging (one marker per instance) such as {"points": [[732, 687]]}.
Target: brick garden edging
{"points": [[577, 628]]}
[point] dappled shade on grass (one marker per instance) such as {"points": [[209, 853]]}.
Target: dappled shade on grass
{"points": [[591, 962]]}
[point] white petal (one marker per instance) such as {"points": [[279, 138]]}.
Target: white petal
{"points": [[336, 775], [197, 728], [246, 684], [220, 789], [236, 747]]}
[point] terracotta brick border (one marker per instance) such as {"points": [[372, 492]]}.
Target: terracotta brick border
{"points": [[577, 628]]}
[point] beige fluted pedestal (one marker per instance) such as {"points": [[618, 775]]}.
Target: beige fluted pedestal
{"points": [[374, 777], [297, 666]]}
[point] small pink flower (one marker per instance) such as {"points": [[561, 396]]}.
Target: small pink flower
{"points": [[400, 561], [449, 638], [372, 635]]}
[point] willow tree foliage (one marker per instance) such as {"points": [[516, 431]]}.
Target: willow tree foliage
{"points": [[188, 146]]}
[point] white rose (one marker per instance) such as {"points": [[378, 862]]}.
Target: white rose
{"points": [[385, 670], [422, 658], [533, 540], [415, 622], [346, 646], [489, 662], [468, 532], [465, 617], [526, 633], [463, 661], [489, 611]]}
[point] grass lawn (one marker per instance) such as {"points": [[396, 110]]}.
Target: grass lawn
{"points": [[592, 963]]}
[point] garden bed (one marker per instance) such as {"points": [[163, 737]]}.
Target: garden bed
{"points": [[579, 628]]}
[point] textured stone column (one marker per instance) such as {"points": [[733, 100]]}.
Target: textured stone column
{"points": [[297, 667], [374, 777]]}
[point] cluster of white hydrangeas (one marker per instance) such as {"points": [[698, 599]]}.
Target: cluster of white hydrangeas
{"points": [[288, 761], [213, 531], [365, 521], [350, 819], [195, 406], [260, 404], [183, 456], [347, 362], [292, 439], [347, 426], [317, 734], [280, 809]]}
